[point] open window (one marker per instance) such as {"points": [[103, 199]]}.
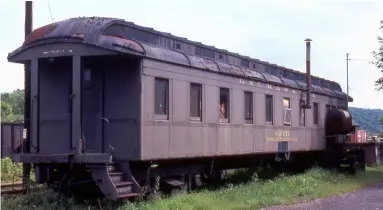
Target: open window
{"points": [[195, 102], [248, 107], [224, 105], [287, 112], [161, 98], [269, 110]]}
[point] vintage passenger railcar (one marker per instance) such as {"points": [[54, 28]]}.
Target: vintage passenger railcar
{"points": [[121, 105]]}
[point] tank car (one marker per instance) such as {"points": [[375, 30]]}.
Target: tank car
{"points": [[132, 110]]}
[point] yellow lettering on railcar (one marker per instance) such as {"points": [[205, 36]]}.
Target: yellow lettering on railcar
{"points": [[281, 135]]}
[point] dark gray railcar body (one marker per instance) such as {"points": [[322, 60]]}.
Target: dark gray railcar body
{"points": [[93, 96], [93, 115]]}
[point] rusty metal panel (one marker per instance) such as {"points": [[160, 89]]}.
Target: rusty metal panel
{"points": [[89, 30], [318, 89], [330, 92], [253, 74], [166, 55], [230, 69], [290, 83], [272, 78], [121, 45], [203, 63], [302, 85]]}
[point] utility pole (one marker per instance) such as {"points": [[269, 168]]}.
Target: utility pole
{"points": [[27, 97], [347, 76]]}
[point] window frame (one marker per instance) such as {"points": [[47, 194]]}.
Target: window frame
{"points": [[251, 96], [161, 116], [199, 101], [227, 108], [285, 109], [271, 109], [302, 111], [315, 113]]}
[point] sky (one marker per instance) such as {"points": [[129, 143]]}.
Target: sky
{"points": [[272, 31]]}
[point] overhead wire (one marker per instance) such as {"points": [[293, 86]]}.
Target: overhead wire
{"points": [[50, 11]]}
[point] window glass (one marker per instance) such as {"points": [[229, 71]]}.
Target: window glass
{"points": [[196, 101], [161, 96], [224, 105], [269, 109], [249, 107]]}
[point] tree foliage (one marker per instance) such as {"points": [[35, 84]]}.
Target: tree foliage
{"points": [[6, 112], [12, 106], [378, 56], [368, 119]]}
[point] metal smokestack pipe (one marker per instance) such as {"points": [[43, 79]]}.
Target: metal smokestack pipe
{"points": [[27, 96], [308, 74]]}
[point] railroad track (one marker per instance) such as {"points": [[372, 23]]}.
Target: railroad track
{"points": [[11, 188]]}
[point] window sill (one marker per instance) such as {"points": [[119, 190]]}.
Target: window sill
{"points": [[227, 121], [195, 119], [159, 117], [249, 122]]}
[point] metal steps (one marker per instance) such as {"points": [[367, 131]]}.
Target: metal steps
{"points": [[113, 182]]}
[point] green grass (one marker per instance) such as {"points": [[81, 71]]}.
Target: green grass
{"points": [[315, 183]]}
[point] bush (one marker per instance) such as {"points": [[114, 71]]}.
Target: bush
{"points": [[11, 171]]}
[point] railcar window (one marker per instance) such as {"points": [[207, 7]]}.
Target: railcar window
{"points": [[129, 33], [161, 96], [142, 36], [302, 114], [114, 30], [245, 63], [316, 113], [178, 46], [287, 112], [208, 53], [249, 107], [197, 50], [269, 109], [196, 102], [224, 105]]}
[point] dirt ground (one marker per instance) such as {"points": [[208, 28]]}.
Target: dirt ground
{"points": [[370, 198]]}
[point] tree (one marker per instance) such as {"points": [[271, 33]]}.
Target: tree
{"points": [[6, 112], [381, 124], [378, 56], [12, 106], [16, 100]]}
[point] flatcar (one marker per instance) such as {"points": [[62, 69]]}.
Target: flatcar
{"points": [[132, 110]]}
